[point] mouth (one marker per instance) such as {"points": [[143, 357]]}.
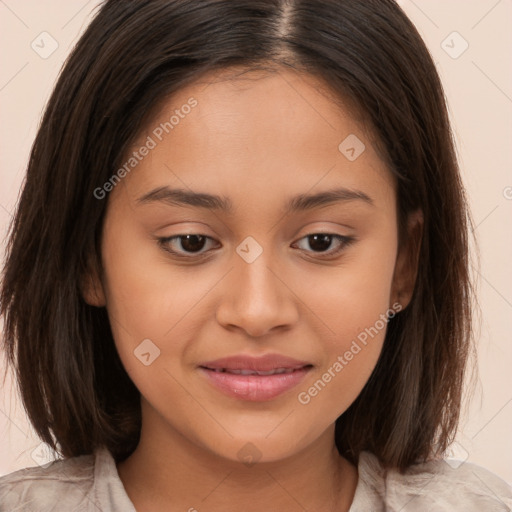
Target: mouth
{"points": [[276, 371], [255, 378]]}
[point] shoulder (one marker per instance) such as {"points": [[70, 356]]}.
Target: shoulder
{"points": [[64, 484], [437, 485]]}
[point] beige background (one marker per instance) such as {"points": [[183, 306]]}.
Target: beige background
{"points": [[478, 83]]}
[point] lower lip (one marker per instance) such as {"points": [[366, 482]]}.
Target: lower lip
{"points": [[255, 388]]}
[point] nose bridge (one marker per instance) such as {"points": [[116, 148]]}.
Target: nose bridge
{"points": [[257, 300], [256, 279]]}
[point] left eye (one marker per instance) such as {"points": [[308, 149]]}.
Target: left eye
{"points": [[193, 244], [320, 242]]}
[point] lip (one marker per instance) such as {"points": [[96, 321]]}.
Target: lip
{"points": [[287, 373], [264, 363]]}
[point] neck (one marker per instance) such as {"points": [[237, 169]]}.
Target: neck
{"points": [[167, 469]]}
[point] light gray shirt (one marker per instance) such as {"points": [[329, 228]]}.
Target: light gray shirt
{"points": [[91, 483]]}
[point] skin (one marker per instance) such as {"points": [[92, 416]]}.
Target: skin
{"points": [[257, 140]]}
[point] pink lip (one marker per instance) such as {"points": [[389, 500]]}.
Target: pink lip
{"points": [[255, 387]]}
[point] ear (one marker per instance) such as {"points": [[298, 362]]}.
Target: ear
{"points": [[91, 287], [406, 266]]}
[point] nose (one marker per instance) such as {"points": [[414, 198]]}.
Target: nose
{"points": [[256, 298]]}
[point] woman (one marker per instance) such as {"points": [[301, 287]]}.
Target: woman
{"points": [[238, 273]]}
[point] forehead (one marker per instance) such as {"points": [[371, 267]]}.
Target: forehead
{"points": [[253, 133]]}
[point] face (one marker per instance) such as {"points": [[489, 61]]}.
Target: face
{"points": [[257, 315]]}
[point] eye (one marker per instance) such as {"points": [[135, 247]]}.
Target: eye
{"points": [[191, 245], [321, 242], [188, 245]]}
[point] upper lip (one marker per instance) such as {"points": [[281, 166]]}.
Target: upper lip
{"points": [[264, 363]]}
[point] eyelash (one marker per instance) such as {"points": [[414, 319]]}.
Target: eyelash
{"points": [[345, 241]]}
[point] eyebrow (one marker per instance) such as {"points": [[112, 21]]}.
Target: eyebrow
{"points": [[301, 202]]}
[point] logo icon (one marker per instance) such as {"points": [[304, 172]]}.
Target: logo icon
{"points": [[352, 147], [454, 45], [44, 45], [249, 454], [249, 249], [146, 352]]}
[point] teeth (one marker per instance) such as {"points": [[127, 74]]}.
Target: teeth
{"points": [[276, 371]]}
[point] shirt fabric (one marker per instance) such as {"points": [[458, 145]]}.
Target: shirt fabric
{"points": [[91, 483]]}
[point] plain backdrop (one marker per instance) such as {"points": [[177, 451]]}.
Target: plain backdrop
{"points": [[471, 42]]}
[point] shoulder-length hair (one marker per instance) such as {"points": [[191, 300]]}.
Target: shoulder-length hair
{"points": [[133, 55]]}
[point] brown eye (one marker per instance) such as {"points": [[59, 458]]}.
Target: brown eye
{"points": [[192, 243], [183, 245], [321, 243]]}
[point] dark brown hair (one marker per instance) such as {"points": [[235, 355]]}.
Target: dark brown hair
{"points": [[134, 54]]}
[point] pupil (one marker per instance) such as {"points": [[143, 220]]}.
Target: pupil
{"points": [[321, 242], [191, 242]]}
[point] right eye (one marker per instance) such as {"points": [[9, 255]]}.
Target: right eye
{"points": [[186, 245]]}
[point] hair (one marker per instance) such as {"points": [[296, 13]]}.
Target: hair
{"points": [[133, 55]]}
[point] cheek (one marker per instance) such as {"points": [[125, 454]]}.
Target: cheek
{"points": [[146, 294], [351, 348], [352, 304], [149, 298], [350, 297], [143, 301]]}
